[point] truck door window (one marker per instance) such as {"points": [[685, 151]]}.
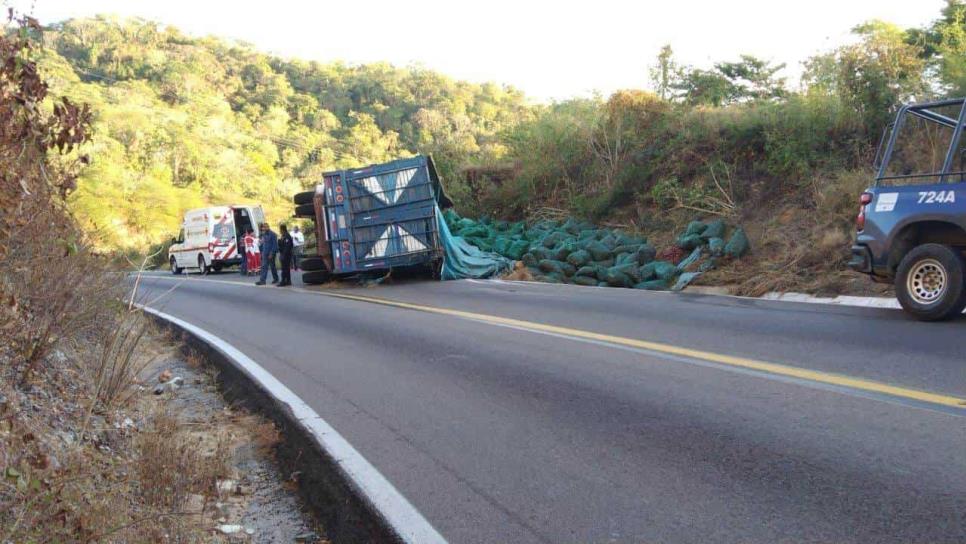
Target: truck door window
{"points": [[883, 142], [957, 170], [918, 153], [181, 236]]}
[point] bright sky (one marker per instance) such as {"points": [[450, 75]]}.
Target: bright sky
{"points": [[550, 49]]}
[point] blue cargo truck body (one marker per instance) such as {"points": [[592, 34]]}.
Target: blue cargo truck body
{"points": [[379, 217]]}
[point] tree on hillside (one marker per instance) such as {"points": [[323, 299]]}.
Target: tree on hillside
{"points": [[699, 87], [754, 78], [188, 121], [620, 129], [363, 143], [665, 73], [749, 78], [943, 46], [872, 76]]}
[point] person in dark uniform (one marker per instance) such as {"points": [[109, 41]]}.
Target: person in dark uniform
{"points": [[285, 247], [267, 248]]}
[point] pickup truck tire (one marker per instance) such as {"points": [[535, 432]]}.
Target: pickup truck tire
{"points": [[304, 197], [312, 264], [316, 277], [175, 269], [929, 282], [305, 210]]}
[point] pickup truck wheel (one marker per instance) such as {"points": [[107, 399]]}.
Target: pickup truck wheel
{"points": [[311, 264], [202, 267], [175, 269], [305, 210], [304, 197], [316, 277], [929, 282]]}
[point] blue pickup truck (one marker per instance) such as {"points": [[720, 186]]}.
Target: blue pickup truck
{"points": [[912, 221]]}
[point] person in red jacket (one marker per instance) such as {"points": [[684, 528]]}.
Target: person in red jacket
{"points": [[251, 252]]}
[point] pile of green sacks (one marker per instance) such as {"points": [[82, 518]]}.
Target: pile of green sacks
{"points": [[578, 252]]}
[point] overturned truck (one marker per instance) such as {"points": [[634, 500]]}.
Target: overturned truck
{"points": [[376, 218], [396, 215]]}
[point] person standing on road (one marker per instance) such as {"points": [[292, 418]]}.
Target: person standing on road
{"points": [[285, 246], [251, 252], [242, 254], [299, 239], [268, 247]]}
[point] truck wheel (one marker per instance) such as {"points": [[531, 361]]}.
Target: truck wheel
{"points": [[304, 198], [312, 264], [216, 267], [175, 269], [316, 277], [305, 210], [202, 267], [929, 282]]}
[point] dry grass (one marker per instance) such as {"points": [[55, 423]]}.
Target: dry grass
{"points": [[121, 361], [172, 465], [801, 243], [519, 273], [74, 464], [259, 431]]}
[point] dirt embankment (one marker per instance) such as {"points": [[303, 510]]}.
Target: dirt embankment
{"points": [[165, 460], [799, 239]]}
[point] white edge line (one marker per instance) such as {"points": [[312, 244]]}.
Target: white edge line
{"points": [[773, 296], [408, 524]]}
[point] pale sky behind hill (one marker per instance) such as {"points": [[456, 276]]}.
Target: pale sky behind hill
{"points": [[549, 49]]}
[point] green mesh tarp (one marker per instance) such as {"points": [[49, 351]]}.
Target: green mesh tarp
{"points": [[581, 253], [464, 260]]}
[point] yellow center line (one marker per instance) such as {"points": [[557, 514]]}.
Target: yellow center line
{"points": [[729, 360]]}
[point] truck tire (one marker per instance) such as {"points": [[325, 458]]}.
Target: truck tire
{"points": [[304, 197], [315, 277], [929, 282], [175, 269], [202, 266], [305, 210], [312, 264]]}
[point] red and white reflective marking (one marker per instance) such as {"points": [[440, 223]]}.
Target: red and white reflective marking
{"points": [[225, 251]]}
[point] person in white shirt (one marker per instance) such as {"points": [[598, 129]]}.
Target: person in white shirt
{"points": [[298, 240]]}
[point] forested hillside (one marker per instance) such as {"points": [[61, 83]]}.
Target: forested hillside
{"points": [[182, 121], [735, 140]]}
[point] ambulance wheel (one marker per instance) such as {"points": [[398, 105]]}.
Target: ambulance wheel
{"points": [[216, 267], [311, 264], [305, 210], [304, 198], [315, 277], [175, 269], [202, 267]]}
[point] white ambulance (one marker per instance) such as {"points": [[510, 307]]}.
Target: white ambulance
{"points": [[210, 237]]}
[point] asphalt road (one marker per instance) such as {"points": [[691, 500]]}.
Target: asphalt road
{"points": [[502, 431]]}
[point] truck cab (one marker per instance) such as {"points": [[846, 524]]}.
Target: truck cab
{"points": [[911, 225]]}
